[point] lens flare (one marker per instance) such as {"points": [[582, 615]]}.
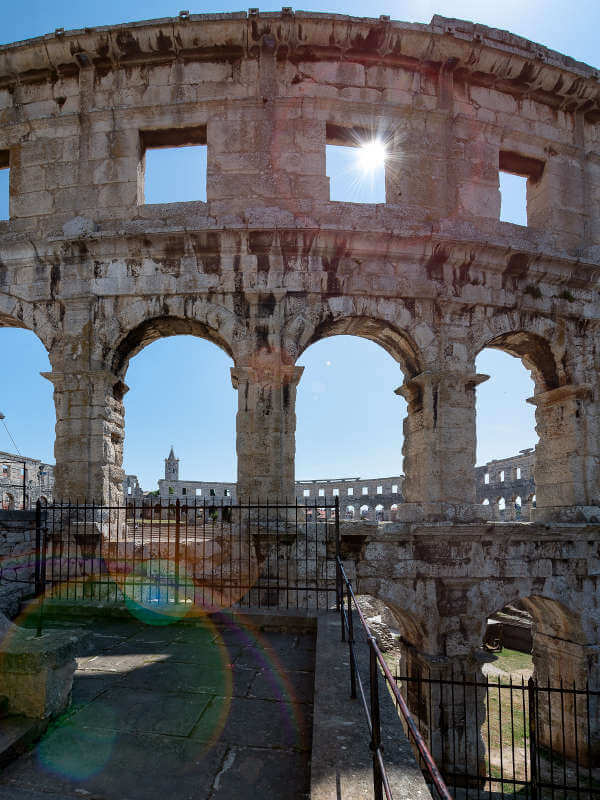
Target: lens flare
{"points": [[372, 155]]}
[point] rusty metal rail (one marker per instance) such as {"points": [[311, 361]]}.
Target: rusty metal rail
{"points": [[346, 602]]}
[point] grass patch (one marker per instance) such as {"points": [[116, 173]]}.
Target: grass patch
{"points": [[511, 661]]}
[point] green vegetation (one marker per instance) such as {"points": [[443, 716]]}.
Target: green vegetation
{"points": [[534, 291], [513, 661]]}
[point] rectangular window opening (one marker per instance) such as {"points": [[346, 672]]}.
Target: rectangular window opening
{"points": [[355, 164], [395, 488], [198, 492], [365, 490], [336, 492], [486, 477], [321, 492], [502, 476], [173, 165], [518, 473], [350, 490], [4, 184], [380, 490], [306, 493], [517, 175], [184, 490]]}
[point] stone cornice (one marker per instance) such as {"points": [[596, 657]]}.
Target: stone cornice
{"points": [[474, 52]]}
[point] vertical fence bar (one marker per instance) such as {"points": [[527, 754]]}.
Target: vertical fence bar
{"points": [[351, 646], [338, 574], [533, 771], [551, 749], [38, 548], [500, 736], [576, 740], [375, 720], [177, 547]]}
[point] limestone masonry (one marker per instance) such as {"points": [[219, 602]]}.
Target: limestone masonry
{"points": [[508, 482], [269, 264]]}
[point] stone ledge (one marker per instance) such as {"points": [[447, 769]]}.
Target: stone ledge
{"points": [[341, 761], [36, 672]]}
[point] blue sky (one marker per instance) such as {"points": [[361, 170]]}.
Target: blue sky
{"points": [[349, 420]]}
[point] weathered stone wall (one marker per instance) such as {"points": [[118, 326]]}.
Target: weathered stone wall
{"points": [[17, 559], [39, 481], [510, 480], [269, 265]]}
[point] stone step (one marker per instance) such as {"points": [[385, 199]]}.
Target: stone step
{"points": [[17, 734]]}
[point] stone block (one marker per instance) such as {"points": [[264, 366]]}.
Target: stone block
{"points": [[36, 672]]}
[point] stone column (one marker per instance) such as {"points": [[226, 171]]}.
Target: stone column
{"points": [[449, 715], [557, 660], [266, 430], [89, 436], [567, 455], [439, 447]]}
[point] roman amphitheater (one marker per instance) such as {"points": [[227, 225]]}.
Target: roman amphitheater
{"points": [[269, 264]]}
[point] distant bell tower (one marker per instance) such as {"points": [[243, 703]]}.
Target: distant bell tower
{"points": [[171, 467]]}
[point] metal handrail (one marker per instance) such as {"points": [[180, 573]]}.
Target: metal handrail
{"points": [[376, 659]]}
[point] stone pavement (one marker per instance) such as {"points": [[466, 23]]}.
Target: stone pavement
{"points": [[179, 711]]}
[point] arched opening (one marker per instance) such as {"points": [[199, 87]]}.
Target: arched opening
{"points": [[349, 512], [364, 512], [519, 366], [27, 430], [379, 512], [542, 637], [8, 501], [349, 384], [180, 413]]}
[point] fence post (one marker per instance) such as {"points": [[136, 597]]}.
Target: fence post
{"points": [[177, 535], [375, 720], [338, 574], [38, 548], [351, 646], [531, 688]]}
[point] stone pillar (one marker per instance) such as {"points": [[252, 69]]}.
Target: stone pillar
{"points": [[89, 436], [449, 715], [567, 456], [439, 447], [557, 660], [266, 430]]}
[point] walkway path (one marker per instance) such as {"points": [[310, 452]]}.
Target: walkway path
{"points": [[178, 712]]}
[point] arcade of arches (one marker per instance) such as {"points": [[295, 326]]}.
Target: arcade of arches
{"points": [[268, 265]]}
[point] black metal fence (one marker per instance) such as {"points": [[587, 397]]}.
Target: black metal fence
{"points": [[199, 554], [500, 737]]}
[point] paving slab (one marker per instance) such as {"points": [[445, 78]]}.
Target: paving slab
{"points": [[176, 711], [250, 773], [261, 723], [291, 685], [176, 676], [120, 766]]}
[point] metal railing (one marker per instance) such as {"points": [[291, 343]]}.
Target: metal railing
{"points": [[347, 605], [506, 738], [200, 554]]}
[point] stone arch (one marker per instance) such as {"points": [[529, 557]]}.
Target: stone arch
{"points": [[31, 317], [534, 339], [8, 501], [385, 323], [150, 330]]}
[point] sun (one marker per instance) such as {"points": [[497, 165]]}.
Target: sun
{"points": [[372, 155]]}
